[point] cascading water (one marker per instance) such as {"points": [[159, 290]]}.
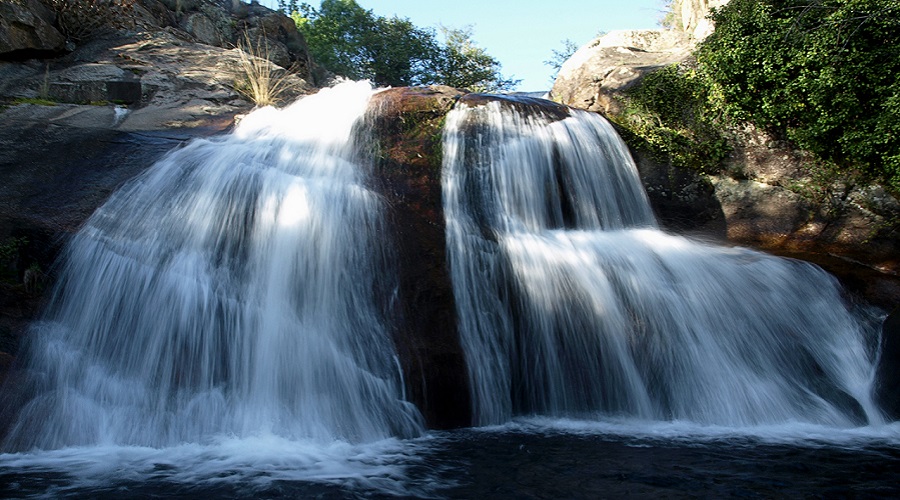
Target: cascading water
{"points": [[220, 329], [572, 303], [229, 291]]}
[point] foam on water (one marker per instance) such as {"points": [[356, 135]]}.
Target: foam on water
{"points": [[250, 464], [800, 434], [572, 303], [234, 289]]}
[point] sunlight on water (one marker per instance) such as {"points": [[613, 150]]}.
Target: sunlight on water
{"points": [[572, 303], [229, 290]]}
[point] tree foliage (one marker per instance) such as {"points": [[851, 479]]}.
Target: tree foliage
{"points": [[669, 112], [824, 74], [355, 43], [462, 64], [560, 56]]}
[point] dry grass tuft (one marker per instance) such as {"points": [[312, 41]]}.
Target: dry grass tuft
{"points": [[264, 83]]}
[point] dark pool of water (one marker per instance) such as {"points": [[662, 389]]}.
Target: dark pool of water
{"points": [[521, 463]]}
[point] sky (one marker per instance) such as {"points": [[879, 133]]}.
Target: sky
{"points": [[521, 35]]}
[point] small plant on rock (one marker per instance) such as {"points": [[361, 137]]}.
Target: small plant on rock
{"points": [[264, 82]]}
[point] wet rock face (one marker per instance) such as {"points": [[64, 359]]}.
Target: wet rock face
{"points": [[407, 125], [888, 376], [59, 164], [522, 104]]}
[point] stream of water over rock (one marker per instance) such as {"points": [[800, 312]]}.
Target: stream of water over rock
{"points": [[573, 303], [219, 328]]}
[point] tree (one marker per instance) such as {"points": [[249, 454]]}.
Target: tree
{"points": [[355, 43], [824, 74], [464, 65], [335, 34], [559, 57], [399, 53]]}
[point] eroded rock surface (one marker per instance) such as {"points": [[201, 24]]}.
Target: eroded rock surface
{"points": [[407, 124]]}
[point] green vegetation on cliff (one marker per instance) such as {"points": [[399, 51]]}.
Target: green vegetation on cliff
{"points": [[824, 74], [821, 74], [671, 114]]}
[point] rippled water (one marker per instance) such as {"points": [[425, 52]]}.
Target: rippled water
{"points": [[534, 458]]}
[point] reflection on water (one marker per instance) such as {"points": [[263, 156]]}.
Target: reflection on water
{"points": [[535, 458]]}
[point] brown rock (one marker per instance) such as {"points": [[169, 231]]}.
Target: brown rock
{"points": [[26, 29], [408, 124], [887, 391]]}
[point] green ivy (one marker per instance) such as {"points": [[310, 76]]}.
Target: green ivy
{"points": [[823, 74], [670, 112]]}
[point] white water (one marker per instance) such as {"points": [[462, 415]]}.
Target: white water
{"points": [[572, 303], [217, 322], [229, 292]]}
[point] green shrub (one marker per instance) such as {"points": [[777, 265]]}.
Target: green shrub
{"points": [[824, 74], [670, 112]]}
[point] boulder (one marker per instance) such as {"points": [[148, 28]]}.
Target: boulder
{"points": [[691, 16], [286, 45], [203, 29], [26, 30], [597, 73], [407, 125]]}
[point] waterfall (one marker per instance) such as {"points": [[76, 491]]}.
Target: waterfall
{"points": [[572, 303], [231, 290]]}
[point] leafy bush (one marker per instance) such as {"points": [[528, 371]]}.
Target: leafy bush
{"points": [[824, 74], [670, 111]]}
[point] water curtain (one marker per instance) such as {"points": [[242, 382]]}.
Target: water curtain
{"points": [[572, 303], [231, 290]]}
